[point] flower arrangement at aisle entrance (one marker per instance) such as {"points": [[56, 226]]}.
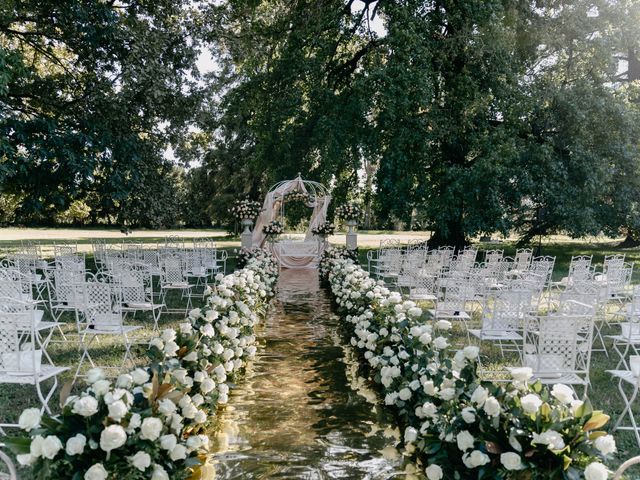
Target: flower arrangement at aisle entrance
{"points": [[245, 209], [150, 422], [273, 229], [324, 229], [455, 424], [334, 253], [349, 212]]}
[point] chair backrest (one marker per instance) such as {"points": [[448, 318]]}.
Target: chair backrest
{"points": [[492, 256], [172, 269], [556, 344], [505, 310], [523, 258], [102, 303], [17, 326]]}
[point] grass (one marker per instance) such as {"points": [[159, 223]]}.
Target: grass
{"points": [[603, 394]]}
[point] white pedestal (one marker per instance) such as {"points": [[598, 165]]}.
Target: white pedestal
{"points": [[246, 239], [352, 236]]}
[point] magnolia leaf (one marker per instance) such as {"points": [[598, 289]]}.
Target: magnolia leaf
{"points": [[164, 390], [493, 447], [154, 387], [597, 420], [597, 434], [65, 391]]}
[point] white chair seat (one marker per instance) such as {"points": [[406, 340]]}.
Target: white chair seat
{"points": [[566, 378], [46, 372], [141, 306], [111, 329], [422, 296], [450, 314], [626, 375], [495, 335], [178, 285]]}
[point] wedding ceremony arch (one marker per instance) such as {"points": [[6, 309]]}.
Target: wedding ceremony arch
{"points": [[303, 253]]}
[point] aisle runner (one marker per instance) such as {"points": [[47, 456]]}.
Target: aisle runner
{"points": [[295, 416]]}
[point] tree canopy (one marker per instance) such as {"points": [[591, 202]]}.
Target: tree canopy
{"points": [[460, 117]]}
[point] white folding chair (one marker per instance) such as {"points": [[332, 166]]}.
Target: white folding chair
{"points": [[558, 348], [173, 278], [102, 306], [23, 360], [136, 287]]}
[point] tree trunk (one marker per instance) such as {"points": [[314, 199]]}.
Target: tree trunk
{"points": [[453, 237], [630, 241]]}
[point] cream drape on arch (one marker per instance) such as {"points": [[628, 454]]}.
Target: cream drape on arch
{"points": [[273, 203]]}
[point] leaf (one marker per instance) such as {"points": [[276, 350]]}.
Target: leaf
{"points": [[18, 445], [597, 420], [65, 391], [597, 434], [154, 387], [493, 447]]}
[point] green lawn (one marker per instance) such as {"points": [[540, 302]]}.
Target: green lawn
{"points": [[603, 394]]}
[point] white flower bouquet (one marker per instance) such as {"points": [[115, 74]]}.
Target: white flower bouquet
{"points": [[349, 212], [150, 423], [324, 229], [273, 229], [456, 425], [245, 209]]}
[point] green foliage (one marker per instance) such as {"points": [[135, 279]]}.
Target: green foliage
{"points": [[465, 117], [90, 93]]}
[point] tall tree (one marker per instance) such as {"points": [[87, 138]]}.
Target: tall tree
{"points": [[89, 91]]}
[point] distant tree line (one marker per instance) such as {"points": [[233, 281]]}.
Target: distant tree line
{"points": [[459, 117]]}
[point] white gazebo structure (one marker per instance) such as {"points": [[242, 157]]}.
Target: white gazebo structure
{"points": [[303, 253]]}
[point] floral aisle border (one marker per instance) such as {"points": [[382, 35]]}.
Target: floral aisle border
{"points": [[149, 423], [456, 425]]}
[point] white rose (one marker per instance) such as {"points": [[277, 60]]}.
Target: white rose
{"points": [[151, 428], [179, 452], [186, 328], [207, 385], [101, 387], [404, 394], [140, 376], [134, 422], [159, 473], [168, 335], [124, 381], [471, 352], [168, 442], [166, 406], [410, 435], [605, 444], [51, 446], [440, 343], [562, 393], [141, 461], [112, 437], [475, 459], [94, 375], [447, 393], [26, 459], [96, 472], [552, 439], [443, 325], [157, 343], [85, 406], [596, 471], [531, 403], [117, 410], [479, 396], [30, 419], [76, 444], [465, 440], [521, 374], [511, 461], [492, 407], [35, 449], [468, 414], [434, 472]]}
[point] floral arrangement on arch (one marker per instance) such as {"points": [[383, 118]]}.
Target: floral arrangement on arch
{"points": [[455, 424], [151, 422], [349, 212], [324, 229], [245, 209], [273, 229], [297, 196]]}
